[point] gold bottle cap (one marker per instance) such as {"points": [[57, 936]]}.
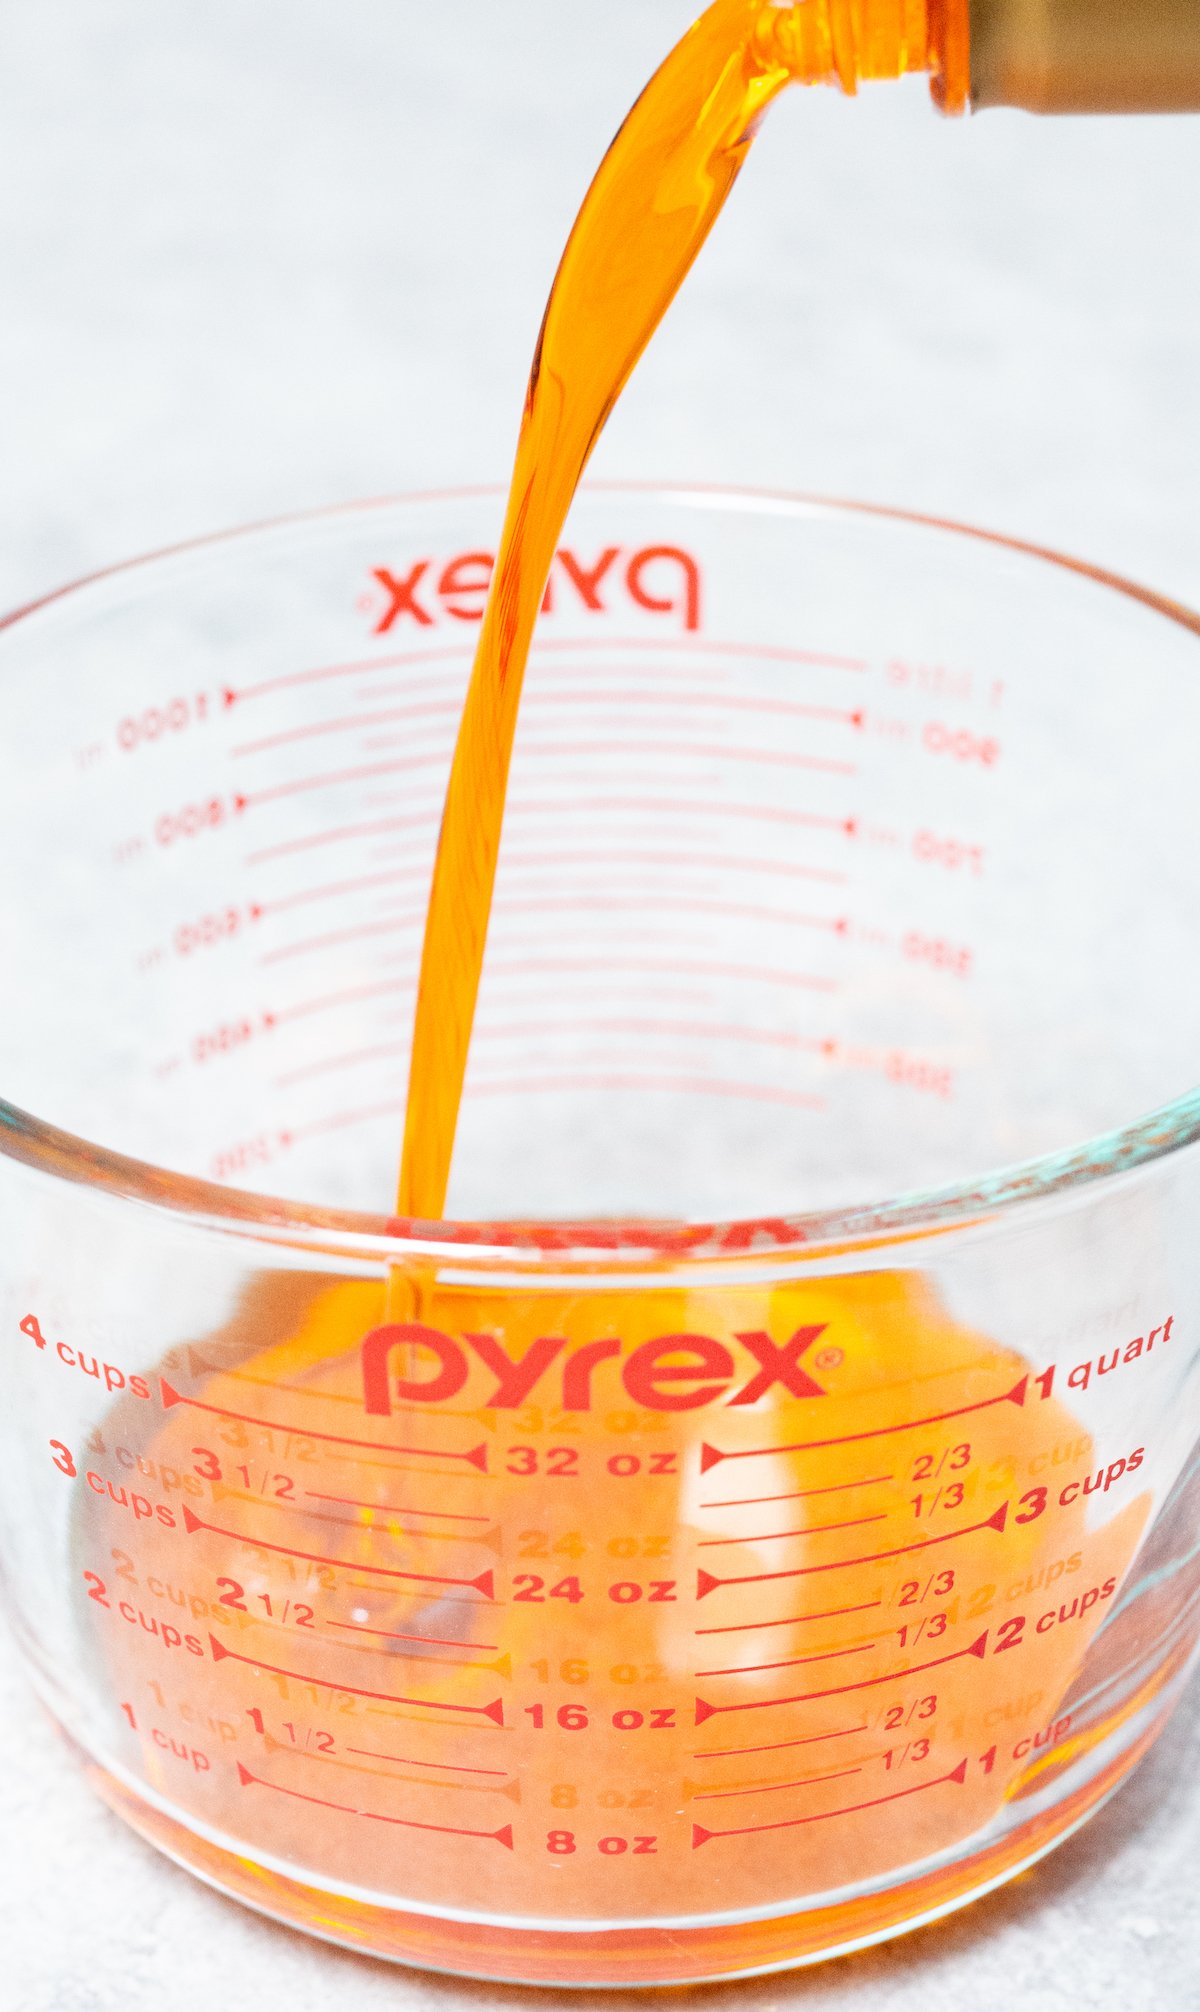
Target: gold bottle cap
{"points": [[1086, 55]]}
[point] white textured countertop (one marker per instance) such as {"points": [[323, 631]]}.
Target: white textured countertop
{"points": [[260, 256]]}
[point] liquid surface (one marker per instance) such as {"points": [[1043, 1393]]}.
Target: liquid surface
{"points": [[657, 195]]}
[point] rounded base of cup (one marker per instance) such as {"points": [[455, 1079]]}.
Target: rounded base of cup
{"points": [[648, 1954]]}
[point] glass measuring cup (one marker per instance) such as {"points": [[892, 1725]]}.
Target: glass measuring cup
{"points": [[634, 1579]]}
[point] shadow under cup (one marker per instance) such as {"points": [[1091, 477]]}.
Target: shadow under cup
{"points": [[682, 1562]]}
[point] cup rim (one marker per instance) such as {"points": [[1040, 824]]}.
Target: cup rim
{"points": [[615, 1243]]}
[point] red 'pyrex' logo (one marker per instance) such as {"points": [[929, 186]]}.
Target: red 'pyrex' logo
{"points": [[433, 1368], [659, 579]]}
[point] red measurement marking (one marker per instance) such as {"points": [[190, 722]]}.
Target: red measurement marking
{"points": [[780, 1746], [706, 1711], [672, 904], [350, 670], [445, 1767], [394, 1508], [475, 1457], [702, 1836], [249, 1780], [736, 702], [433, 1641], [385, 1051], [691, 751], [675, 1030], [679, 644], [791, 1620], [799, 1494], [676, 967], [455, 653], [335, 889], [387, 988], [683, 807], [678, 1086], [667, 1029], [677, 807], [792, 1663], [390, 925], [772, 1536], [671, 646], [423, 821], [341, 1121], [383, 1525], [494, 1711], [437, 708], [484, 1583], [302, 785], [338, 833], [707, 1584], [541, 1029], [710, 1455], [733, 702], [761, 652], [408, 764], [774, 1787], [700, 862], [693, 676], [682, 646]]}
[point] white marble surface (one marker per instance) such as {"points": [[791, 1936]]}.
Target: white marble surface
{"points": [[258, 256]]}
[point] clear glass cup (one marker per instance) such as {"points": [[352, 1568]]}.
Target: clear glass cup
{"points": [[753, 1525]]}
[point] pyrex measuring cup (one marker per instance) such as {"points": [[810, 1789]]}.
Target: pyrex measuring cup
{"points": [[680, 1563]]}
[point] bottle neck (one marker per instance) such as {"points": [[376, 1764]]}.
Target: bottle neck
{"points": [[848, 42]]}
